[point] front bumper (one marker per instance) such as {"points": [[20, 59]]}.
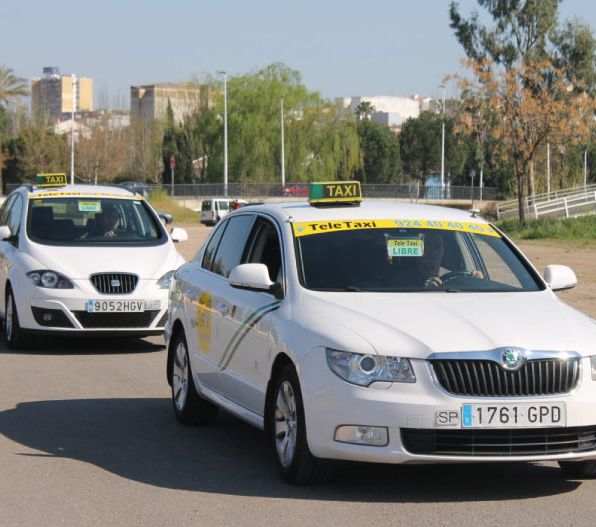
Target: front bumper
{"points": [[64, 311], [411, 410]]}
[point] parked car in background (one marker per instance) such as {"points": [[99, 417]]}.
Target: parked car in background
{"points": [[136, 187], [296, 190]]}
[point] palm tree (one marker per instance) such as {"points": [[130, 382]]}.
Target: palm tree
{"points": [[11, 86], [364, 110]]}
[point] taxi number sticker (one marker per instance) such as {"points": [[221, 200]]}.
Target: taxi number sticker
{"points": [[405, 247], [308, 228], [90, 206]]}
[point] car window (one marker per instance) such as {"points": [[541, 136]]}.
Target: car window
{"points": [[14, 215], [212, 246], [84, 220], [265, 248], [231, 248], [405, 259], [6, 208], [206, 205], [224, 205]]}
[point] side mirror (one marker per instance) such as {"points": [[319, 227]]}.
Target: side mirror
{"points": [[5, 234], [559, 277], [254, 276], [179, 235]]}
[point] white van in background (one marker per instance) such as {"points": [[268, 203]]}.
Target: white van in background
{"points": [[213, 210]]}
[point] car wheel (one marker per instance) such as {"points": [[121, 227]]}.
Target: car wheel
{"points": [[579, 469], [15, 338], [293, 458], [189, 406]]}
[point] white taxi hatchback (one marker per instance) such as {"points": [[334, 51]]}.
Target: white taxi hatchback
{"points": [[381, 332], [83, 260]]}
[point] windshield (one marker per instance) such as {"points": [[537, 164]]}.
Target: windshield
{"points": [[408, 259], [88, 220]]}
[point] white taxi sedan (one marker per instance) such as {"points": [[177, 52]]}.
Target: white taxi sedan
{"points": [[381, 332], [83, 260]]}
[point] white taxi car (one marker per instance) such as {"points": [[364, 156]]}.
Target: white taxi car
{"points": [[83, 260], [381, 332]]}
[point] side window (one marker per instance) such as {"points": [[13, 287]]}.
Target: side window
{"points": [[212, 246], [497, 268], [6, 208], [14, 216], [265, 248], [231, 248]]}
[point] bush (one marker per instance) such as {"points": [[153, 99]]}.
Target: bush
{"points": [[577, 229]]}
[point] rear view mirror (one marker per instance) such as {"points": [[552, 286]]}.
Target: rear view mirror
{"points": [[559, 277], [179, 235], [5, 233]]}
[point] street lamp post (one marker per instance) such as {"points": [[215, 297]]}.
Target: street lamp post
{"points": [[283, 162], [225, 76], [443, 143], [73, 79]]}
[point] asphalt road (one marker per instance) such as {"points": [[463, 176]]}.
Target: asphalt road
{"points": [[88, 437]]}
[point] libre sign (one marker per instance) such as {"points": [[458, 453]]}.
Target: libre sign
{"points": [[50, 180]]}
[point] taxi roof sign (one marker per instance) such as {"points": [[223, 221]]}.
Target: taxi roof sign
{"points": [[335, 192], [51, 180]]}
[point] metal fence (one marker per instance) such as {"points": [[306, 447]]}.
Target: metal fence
{"points": [[568, 206], [412, 191]]}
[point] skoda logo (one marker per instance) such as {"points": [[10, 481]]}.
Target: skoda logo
{"points": [[512, 359]]}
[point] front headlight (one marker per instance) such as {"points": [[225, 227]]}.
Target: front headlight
{"points": [[165, 281], [49, 280], [363, 370]]}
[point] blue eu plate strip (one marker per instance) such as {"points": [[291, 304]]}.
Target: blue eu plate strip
{"points": [[466, 415]]}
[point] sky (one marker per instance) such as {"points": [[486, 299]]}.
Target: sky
{"points": [[341, 48]]}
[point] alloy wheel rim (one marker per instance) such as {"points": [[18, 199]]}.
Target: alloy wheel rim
{"points": [[8, 320], [285, 424], [180, 377]]}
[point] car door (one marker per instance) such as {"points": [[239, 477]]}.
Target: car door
{"points": [[9, 215], [209, 304], [244, 364]]}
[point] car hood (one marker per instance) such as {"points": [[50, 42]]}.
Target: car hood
{"points": [[418, 324], [80, 262]]}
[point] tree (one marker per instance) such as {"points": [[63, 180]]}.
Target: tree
{"points": [[381, 161], [522, 109], [11, 86], [420, 145], [364, 110]]}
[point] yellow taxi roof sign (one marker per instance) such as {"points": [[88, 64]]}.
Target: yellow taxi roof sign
{"points": [[335, 192], [51, 180]]}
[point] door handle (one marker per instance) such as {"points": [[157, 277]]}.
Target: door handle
{"points": [[223, 308]]}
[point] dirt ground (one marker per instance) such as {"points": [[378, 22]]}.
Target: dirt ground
{"points": [[581, 258]]}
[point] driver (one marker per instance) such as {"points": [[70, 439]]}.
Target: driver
{"points": [[106, 223], [429, 264]]}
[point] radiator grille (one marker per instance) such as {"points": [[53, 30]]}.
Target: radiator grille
{"points": [[512, 442], [114, 283], [485, 378], [141, 319]]}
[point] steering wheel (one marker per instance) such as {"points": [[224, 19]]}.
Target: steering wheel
{"points": [[453, 275]]}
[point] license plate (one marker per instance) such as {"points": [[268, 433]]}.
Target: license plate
{"points": [[522, 415], [121, 306]]}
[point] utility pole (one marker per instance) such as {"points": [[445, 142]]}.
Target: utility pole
{"points": [[443, 143], [73, 79], [225, 76], [283, 162]]}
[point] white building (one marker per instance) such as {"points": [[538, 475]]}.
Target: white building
{"points": [[389, 110]]}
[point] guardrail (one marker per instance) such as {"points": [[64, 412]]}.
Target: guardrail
{"points": [[412, 191], [579, 204], [509, 209]]}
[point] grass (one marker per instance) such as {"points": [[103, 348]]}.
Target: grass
{"points": [[161, 201], [581, 229]]}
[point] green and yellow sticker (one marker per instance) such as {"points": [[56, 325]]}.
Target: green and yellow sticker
{"points": [[308, 228]]}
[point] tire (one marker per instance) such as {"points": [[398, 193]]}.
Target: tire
{"points": [[15, 337], [293, 458], [579, 469], [190, 408]]}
